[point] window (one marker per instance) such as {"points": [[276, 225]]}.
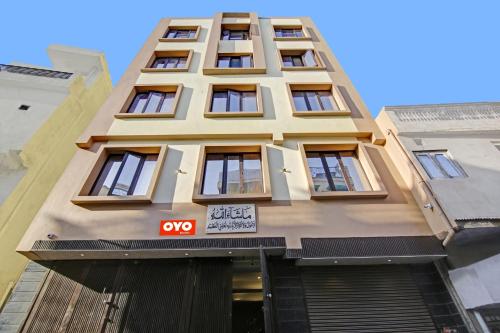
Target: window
{"points": [[181, 33], [232, 174], [336, 171], [170, 62], [228, 34], [125, 174], [152, 102], [439, 165], [314, 101], [234, 101], [243, 61], [301, 59], [288, 33], [24, 107]]}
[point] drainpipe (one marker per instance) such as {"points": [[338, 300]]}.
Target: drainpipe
{"points": [[452, 229]]}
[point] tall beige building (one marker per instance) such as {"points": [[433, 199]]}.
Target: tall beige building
{"points": [[235, 182]]}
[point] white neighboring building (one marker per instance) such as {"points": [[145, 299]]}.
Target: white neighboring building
{"points": [[449, 155]]}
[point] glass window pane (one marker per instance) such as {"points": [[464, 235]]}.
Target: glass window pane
{"points": [[287, 61], [327, 101], [234, 101], [448, 166], [235, 62], [236, 35], [142, 185], [225, 34], [336, 172], [107, 176], [172, 62], [138, 103], [223, 62], [159, 63], [288, 33], [318, 173], [182, 34], [299, 99], [313, 100], [432, 170], [219, 101], [297, 61], [252, 174], [212, 178], [299, 33], [249, 101], [127, 174], [168, 103], [355, 173], [234, 177], [192, 33], [154, 102], [309, 59], [278, 33], [246, 61], [182, 62], [172, 33]]}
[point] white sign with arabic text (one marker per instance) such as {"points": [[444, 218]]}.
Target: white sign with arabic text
{"points": [[231, 218]]}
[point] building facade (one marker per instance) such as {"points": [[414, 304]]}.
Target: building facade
{"points": [[44, 110], [235, 181], [450, 159]]}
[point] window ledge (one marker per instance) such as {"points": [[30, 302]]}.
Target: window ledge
{"points": [[349, 195], [233, 114], [321, 113], [89, 199], [178, 39], [288, 39], [124, 115], [164, 70], [200, 198], [234, 70], [302, 68]]}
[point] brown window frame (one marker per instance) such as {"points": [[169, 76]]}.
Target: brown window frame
{"points": [[195, 28], [300, 53], [198, 195], [83, 195], [170, 88], [241, 87], [337, 97], [290, 27], [169, 54], [378, 189], [243, 28], [231, 56]]}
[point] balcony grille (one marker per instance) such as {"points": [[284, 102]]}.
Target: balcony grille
{"points": [[35, 71]]}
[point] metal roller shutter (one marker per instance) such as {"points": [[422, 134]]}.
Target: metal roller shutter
{"points": [[371, 299]]}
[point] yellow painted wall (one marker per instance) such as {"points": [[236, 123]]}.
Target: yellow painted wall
{"points": [[45, 156]]}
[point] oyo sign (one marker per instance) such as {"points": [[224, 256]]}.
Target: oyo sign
{"points": [[177, 227]]}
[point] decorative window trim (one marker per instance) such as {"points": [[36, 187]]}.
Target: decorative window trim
{"points": [[378, 188], [317, 86], [234, 86], [209, 148], [285, 52], [304, 32], [83, 197], [162, 54], [197, 28], [177, 88]]}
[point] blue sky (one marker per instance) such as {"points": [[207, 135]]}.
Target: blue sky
{"points": [[395, 52]]}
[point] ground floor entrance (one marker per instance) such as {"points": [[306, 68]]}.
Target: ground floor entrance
{"points": [[244, 294]]}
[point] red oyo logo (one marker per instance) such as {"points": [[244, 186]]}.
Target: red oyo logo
{"points": [[177, 227]]}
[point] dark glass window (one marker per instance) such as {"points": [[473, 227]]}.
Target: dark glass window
{"points": [[152, 102], [305, 59], [235, 35], [438, 164], [125, 174], [180, 33], [314, 101], [234, 101], [289, 32], [170, 62], [336, 171], [244, 61], [232, 174]]}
